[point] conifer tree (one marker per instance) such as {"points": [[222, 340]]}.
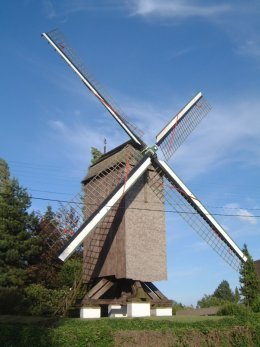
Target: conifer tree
{"points": [[96, 154], [4, 173], [249, 282], [18, 241], [224, 292]]}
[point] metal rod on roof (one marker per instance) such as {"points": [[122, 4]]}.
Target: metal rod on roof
{"points": [[105, 145]]}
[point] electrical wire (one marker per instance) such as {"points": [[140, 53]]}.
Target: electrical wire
{"points": [[146, 209], [208, 206], [216, 214]]}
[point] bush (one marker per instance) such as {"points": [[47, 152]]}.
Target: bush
{"points": [[176, 306], [43, 301], [70, 271], [12, 301], [209, 301], [256, 304], [234, 310]]}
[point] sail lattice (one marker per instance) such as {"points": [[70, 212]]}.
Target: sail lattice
{"points": [[58, 228], [58, 38], [183, 127], [174, 198]]}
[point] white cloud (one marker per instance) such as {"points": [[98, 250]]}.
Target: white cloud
{"points": [[243, 214], [48, 8], [240, 22], [144, 8], [181, 52], [66, 8], [176, 8], [242, 28], [58, 125], [63, 8], [74, 139], [229, 134], [250, 47]]}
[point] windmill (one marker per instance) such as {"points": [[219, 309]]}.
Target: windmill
{"points": [[125, 193]]}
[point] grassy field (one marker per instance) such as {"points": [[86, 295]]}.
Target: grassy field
{"points": [[175, 331]]}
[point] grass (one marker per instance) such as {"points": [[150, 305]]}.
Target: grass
{"points": [[175, 331], [42, 320]]}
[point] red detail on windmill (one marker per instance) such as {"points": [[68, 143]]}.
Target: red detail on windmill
{"points": [[69, 232], [126, 172], [61, 46], [173, 131], [179, 190]]}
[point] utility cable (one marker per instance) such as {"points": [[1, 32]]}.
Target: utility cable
{"points": [[146, 209]]}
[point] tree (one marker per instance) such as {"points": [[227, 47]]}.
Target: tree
{"points": [[210, 300], [224, 292], [222, 295], [19, 244], [71, 271], [55, 229], [45, 271], [96, 154], [4, 173], [236, 296], [249, 282], [176, 306]]}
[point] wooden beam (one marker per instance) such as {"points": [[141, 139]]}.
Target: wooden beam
{"points": [[102, 290], [96, 287], [150, 293], [154, 289], [87, 301]]}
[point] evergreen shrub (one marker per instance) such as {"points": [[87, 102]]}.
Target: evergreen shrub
{"points": [[43, 301], [256, 304], [233, 309], [12, 301]]}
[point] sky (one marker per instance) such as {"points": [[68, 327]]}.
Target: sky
{"points": [[153, 57]]}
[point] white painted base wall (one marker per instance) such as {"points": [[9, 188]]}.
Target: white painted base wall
{"points": [[117, 311], [138, 309], [133, 309], [161, 312], [90, 312]]}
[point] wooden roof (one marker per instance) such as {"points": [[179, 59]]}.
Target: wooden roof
{"points": [[107, 160]]}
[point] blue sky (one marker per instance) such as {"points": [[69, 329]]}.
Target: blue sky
{"points": [[152, 57]]}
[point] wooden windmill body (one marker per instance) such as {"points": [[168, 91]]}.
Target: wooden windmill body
{"points": [[130, 243], [125, 191]]}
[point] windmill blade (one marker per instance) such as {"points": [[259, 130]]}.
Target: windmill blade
{"points": [[179, 128], [107, 205], [173, 191], [56, 39]]}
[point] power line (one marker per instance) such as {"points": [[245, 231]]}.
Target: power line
{"points": [[208, 206], [212, 214], [48, 191], [146, 209]]}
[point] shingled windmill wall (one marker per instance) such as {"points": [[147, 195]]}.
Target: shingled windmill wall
{"points": [[130, 241]]}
